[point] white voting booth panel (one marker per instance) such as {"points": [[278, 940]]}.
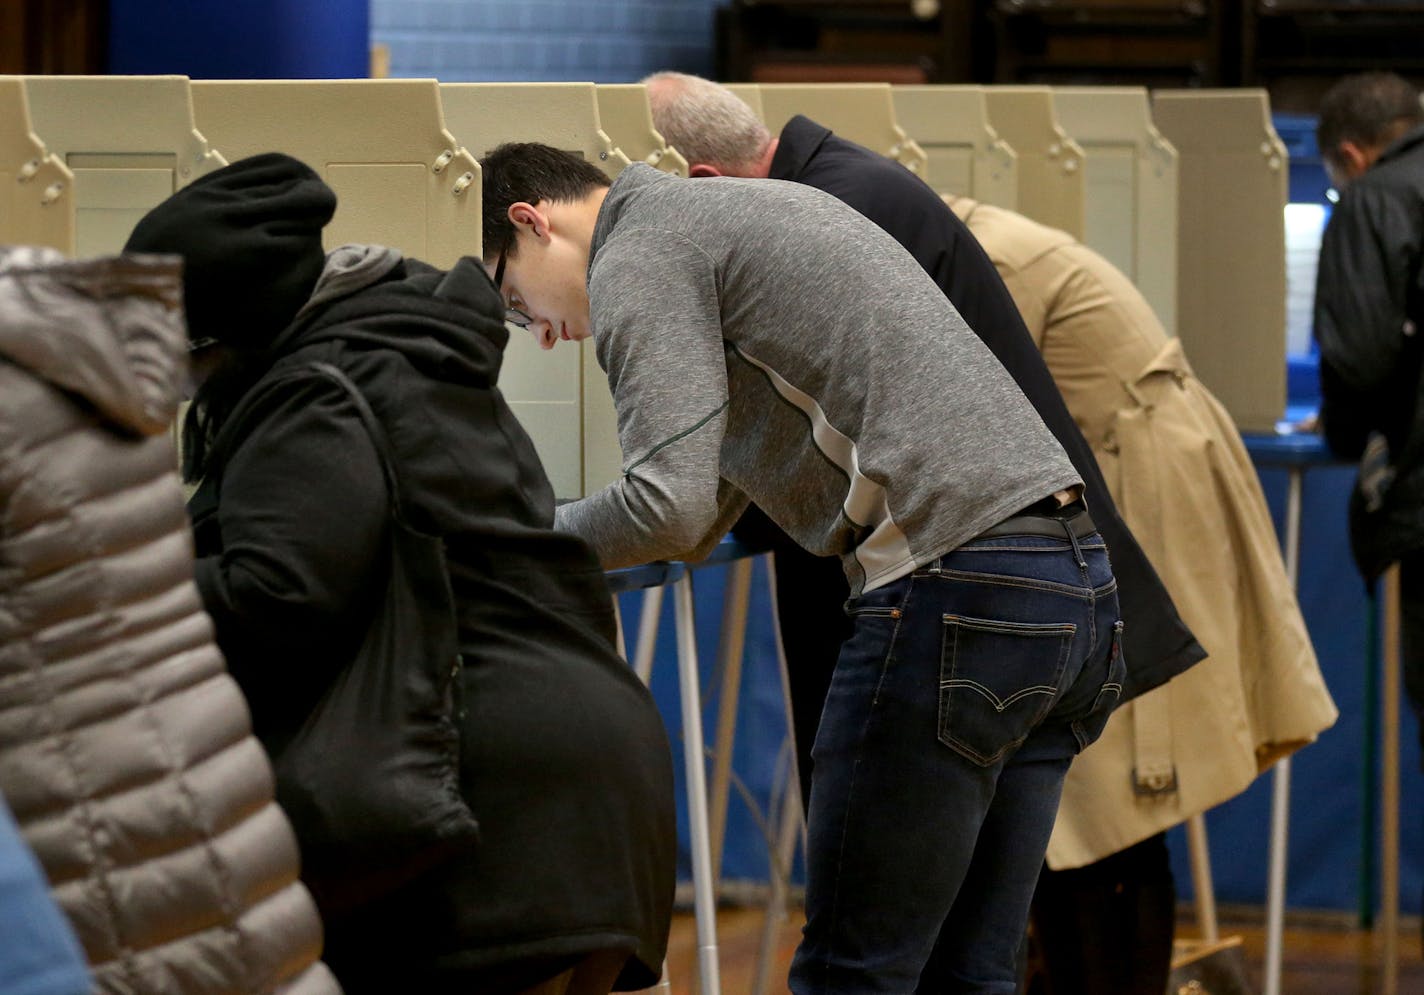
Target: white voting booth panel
{"points": [[561, 397], [37, 203], [964, 154], [1231, 252], [1050, 164], [626, 115], [400, 177], [130, 141], [861, 112], [1130, 196]]}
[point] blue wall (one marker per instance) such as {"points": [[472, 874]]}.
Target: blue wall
{"points": [[257, 39], [605, 41]]}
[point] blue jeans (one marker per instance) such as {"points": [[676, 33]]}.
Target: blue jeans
{"points": [[957, 704]]}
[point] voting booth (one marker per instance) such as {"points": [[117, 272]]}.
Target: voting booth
{"points": [[400, 177], [1130, 187], [1231, 254], [130, 141], [626, 115], [964, 155], [1051, 187], [37, 205]]}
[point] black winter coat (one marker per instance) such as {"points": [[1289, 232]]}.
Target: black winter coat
{"points": [[1369, 311], [565, 761], [1157, 644]]}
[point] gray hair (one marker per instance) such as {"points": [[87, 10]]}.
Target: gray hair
{"points": [[706, 122]]}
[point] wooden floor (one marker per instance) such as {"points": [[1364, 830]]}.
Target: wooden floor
{"points": [[1323, 955]]}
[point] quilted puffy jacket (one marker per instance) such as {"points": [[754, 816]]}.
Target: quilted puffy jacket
{"points": [[125, 749]]}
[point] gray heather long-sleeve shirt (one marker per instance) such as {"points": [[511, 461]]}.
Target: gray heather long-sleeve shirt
{"points": [[763, 340]]}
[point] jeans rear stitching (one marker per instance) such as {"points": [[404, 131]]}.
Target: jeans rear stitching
{"points": [[999, 704]]}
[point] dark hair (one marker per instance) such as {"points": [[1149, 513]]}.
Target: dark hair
{"points": [[530, 172], [213, 402], [1367, 109]]}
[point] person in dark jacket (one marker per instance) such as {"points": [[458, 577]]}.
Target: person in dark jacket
{"points": [[564, 760], [1369, 307], [719, 135]]}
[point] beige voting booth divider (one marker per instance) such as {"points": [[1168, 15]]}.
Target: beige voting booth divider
{"points": [[37, 205], [964, 154], [861, 112], [1130, 196], [130, 141], [400, 177], [561, 397], [1231, 269], [626, 115], [1050, 164]]}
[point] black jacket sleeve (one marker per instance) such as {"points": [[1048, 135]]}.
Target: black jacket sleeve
{"points": [[302, 513], [1369, 256]]}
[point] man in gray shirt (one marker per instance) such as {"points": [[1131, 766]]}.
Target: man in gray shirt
{"points": [[764, 341]]}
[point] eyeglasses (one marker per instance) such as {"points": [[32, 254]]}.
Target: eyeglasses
{"points": [[512, 315]]}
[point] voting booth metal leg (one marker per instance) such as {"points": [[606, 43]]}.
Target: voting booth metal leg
{"points": [[792, 823], [647, 642], [642, 665], [731, 643], [1202, 886], [1280, 797], [784, 813], [1389, 794], [693, 747]]}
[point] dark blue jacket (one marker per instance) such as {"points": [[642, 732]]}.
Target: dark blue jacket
{"points": [[1157, 644]]}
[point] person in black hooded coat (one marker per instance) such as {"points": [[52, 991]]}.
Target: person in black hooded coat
{"points": [[564, 759]]}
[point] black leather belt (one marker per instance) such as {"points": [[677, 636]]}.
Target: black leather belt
{"points": [[1053, 524]]}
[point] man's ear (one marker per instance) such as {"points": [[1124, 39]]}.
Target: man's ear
{"points": [[1354, 159], [703, 169], [525, 215]]}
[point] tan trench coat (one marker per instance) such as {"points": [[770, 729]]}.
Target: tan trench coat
{"points": [[1176, 466], [125, 749]]}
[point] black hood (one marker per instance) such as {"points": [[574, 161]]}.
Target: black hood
{"points": [[449, 325]]}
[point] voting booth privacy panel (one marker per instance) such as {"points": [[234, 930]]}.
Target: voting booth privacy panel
{"points": [[37, 202], [1130, 187], [128, 142], [401, 178], [1231, 256], [964, 155], [1050, 164]]}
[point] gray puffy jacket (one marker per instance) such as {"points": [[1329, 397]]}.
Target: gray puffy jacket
{"points": [[125, 749]]}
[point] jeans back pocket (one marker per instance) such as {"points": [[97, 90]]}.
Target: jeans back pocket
{"points": [[997, 682]]}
